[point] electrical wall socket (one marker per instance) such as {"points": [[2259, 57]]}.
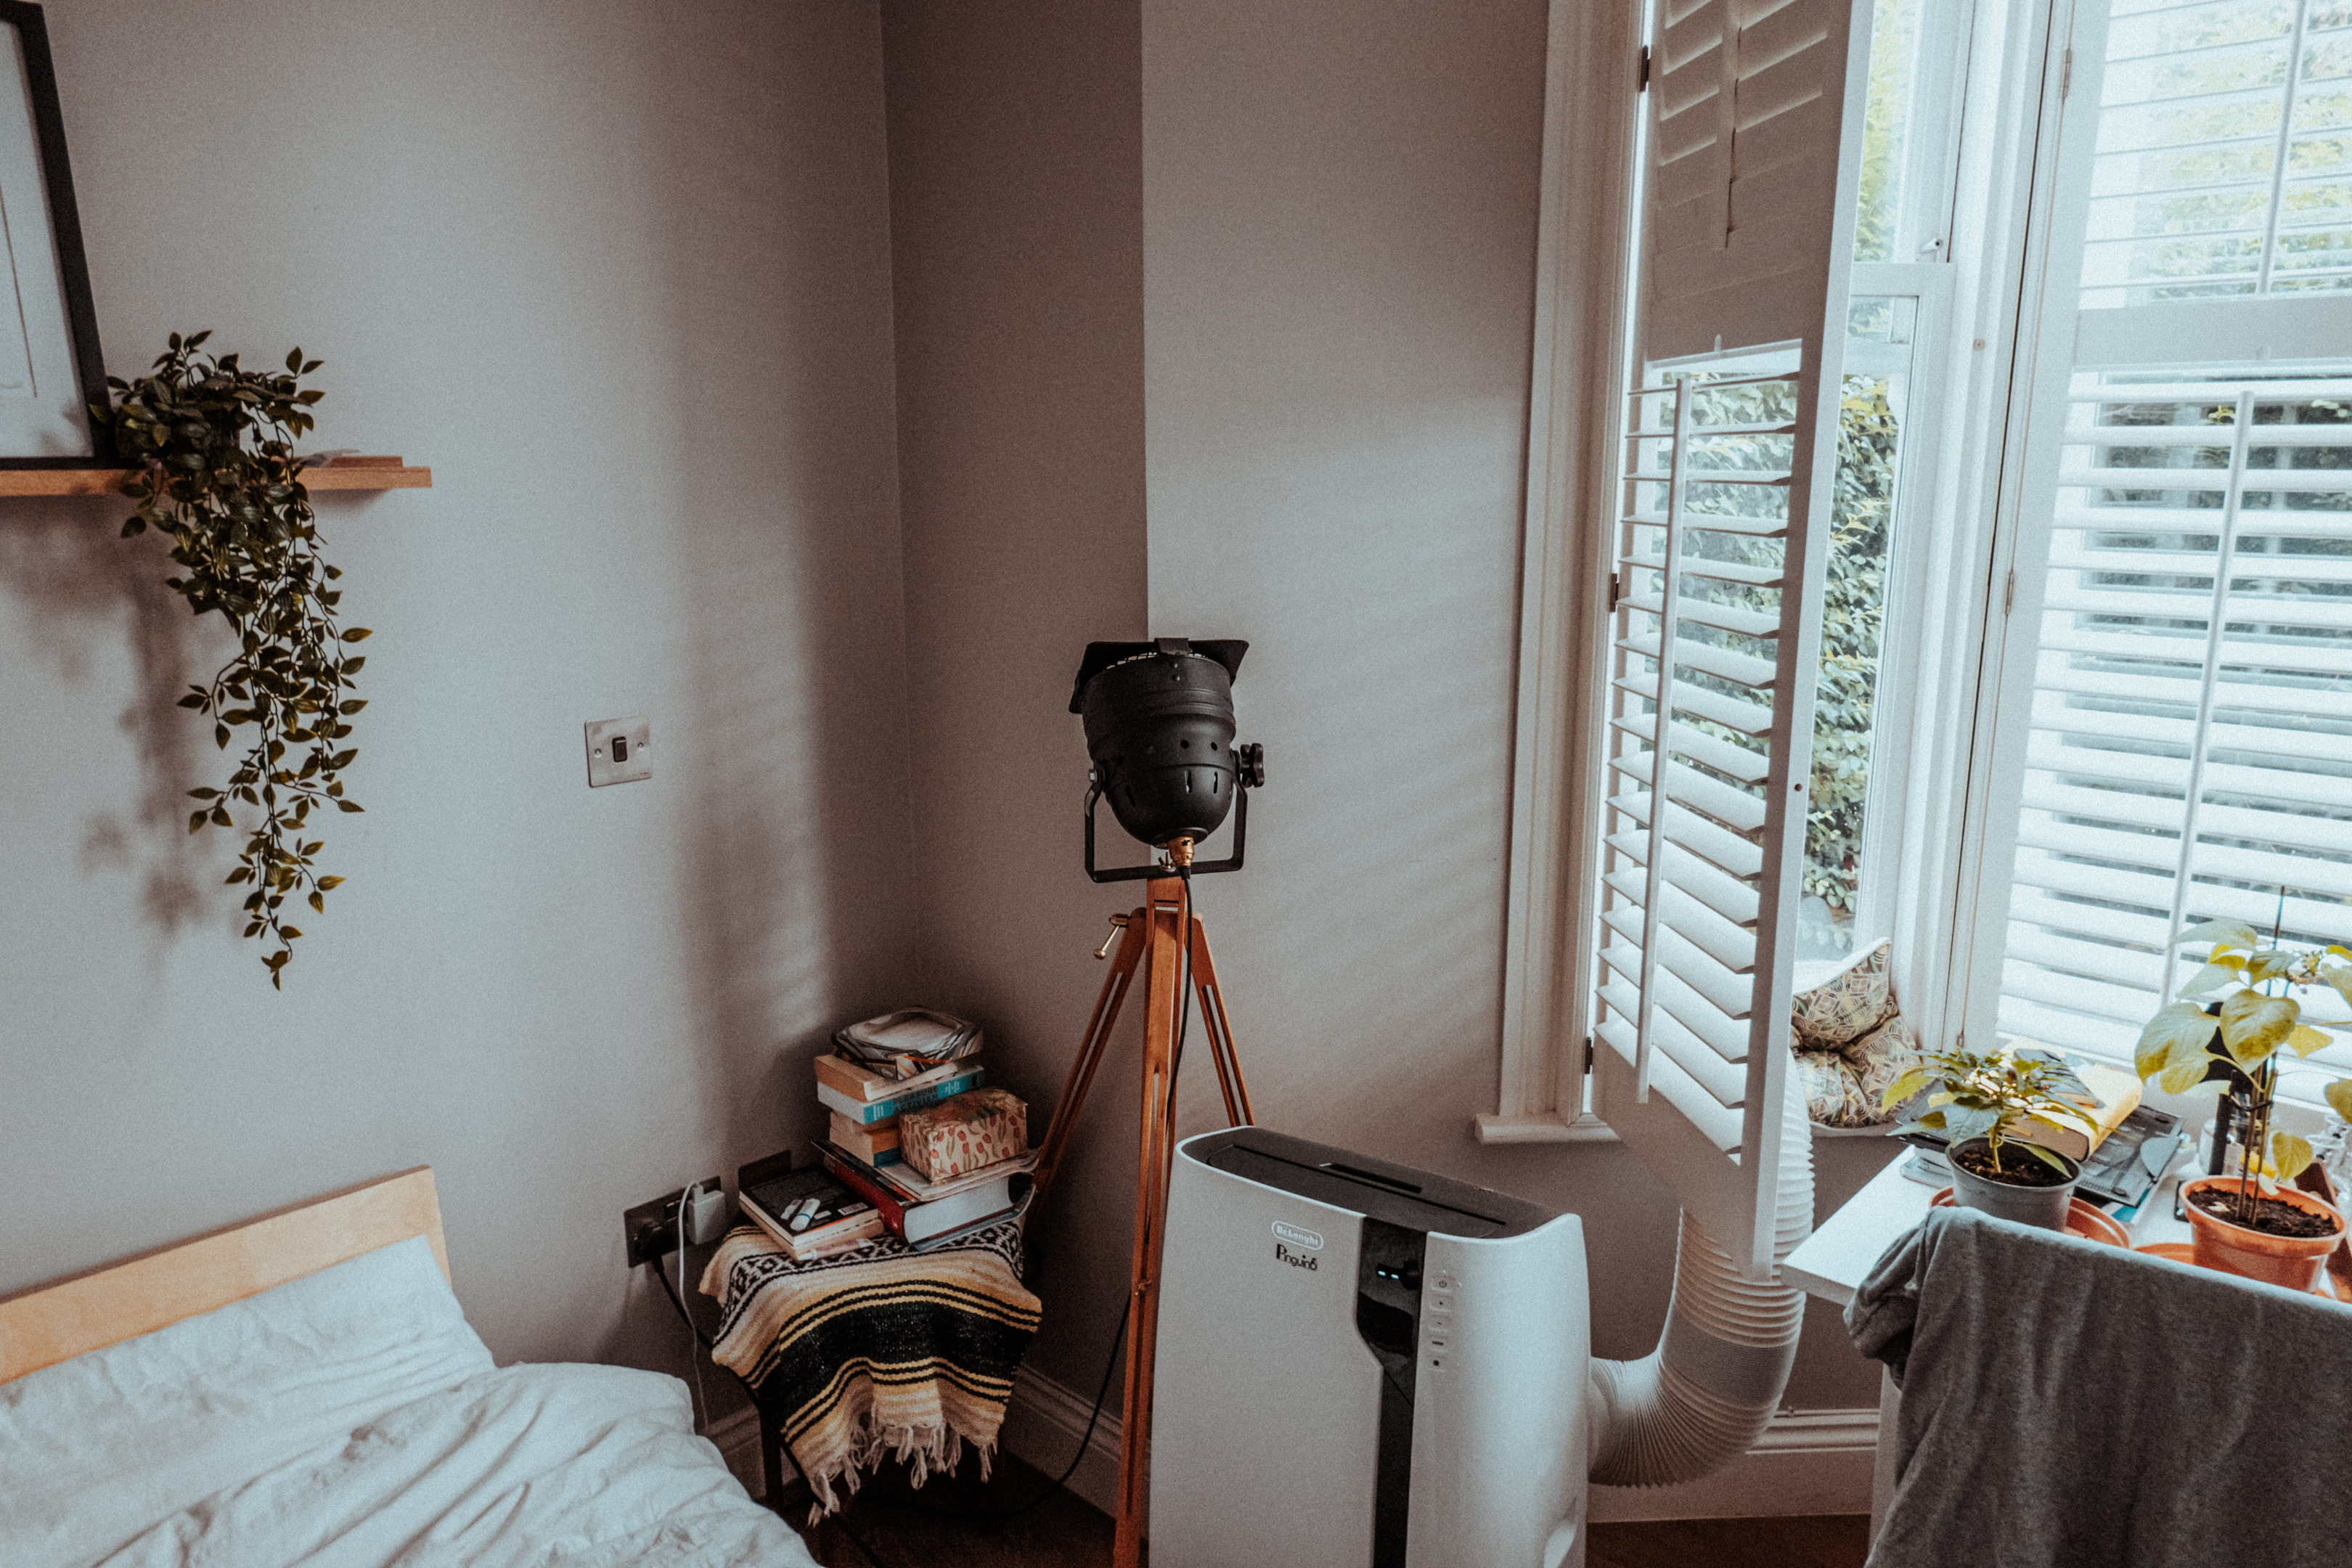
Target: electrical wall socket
{"points": [[650, 1229], [620, 751]]}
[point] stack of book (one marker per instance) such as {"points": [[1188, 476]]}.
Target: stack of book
{"points": [[864, 1152], [811, 1212]]}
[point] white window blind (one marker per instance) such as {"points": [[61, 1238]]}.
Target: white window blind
{"points": [[2187, 753], [2190, 747], [1702, 570], [2224, 152], [1718, 553]]}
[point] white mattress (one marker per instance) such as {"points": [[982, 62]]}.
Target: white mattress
{"points": [[352, 1419]]}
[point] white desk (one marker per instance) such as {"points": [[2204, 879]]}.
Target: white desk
{"points": [[1830, 1262]]}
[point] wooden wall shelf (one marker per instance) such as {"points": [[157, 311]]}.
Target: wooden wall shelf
{"points": [[345, 474]]}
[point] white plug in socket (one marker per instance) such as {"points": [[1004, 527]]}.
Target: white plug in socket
{"points": [[706, 1216], [620, 751]]}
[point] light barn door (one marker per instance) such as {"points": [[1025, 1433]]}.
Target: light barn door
{"points": [[1730, 445]]}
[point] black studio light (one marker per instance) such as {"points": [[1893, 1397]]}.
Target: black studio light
{"points": [[1160, 731]]}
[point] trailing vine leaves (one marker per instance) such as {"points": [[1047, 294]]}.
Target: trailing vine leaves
{"points": [[211, 448]]}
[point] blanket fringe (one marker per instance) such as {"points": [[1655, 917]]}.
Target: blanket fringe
{"points": [[923, 1448]]}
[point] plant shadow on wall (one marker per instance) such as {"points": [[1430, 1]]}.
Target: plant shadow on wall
{"points": [[75, 581]]}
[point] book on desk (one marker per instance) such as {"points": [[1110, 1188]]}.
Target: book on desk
{"points": [[864, 1153]]}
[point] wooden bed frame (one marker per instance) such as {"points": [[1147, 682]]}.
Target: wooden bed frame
{"points": [[116, 1301]]}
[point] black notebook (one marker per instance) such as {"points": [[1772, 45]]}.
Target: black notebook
{"points": [[773, 1203]]}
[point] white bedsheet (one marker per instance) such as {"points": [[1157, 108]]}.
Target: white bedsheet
{"points": [[353, 1420]]}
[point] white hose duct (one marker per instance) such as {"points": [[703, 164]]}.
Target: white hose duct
{"points": [[1705, 1396]]}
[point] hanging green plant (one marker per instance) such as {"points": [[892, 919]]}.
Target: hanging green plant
{"points": [[210, 446]]}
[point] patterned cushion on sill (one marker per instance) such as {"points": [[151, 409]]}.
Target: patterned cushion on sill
{"points": [[1849, 1004], [1842, 1087], [1851, 1041]]}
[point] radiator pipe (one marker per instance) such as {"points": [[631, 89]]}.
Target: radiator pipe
{"points": [[1705, 1396]]}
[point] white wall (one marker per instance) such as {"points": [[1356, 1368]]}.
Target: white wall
{"points": [[1340, 205], [620, 273], [1017, 221]]}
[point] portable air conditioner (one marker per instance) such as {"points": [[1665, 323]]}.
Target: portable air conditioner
{"points": [[1361, 1363]]}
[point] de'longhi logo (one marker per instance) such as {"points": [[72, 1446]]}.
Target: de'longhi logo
{"points": [[1288, 1238]]}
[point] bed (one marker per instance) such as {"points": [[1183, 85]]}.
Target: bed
{"points": [[304, 1388]]}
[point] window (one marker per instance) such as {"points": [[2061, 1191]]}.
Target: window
{"points": [[2173, 733], [2083, 674]]}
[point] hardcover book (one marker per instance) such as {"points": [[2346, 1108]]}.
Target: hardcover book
{"points": [[864, 1083], [876, 1144], [917, 1222], [841, 1217], [869, 1111]]}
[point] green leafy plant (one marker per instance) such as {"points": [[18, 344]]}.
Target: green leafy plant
{"points": [[1986, 1095], [2258, 1019], [211, 449]]}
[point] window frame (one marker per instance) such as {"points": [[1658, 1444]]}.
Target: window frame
{"points": [[1590, 195], [1978, 290], [2061, 174]]}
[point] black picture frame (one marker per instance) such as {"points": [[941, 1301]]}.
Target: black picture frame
{"points": [[65, 236]]}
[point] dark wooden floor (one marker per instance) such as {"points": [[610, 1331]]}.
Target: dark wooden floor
{"points": [[1820, 1541], [945, 1525]]}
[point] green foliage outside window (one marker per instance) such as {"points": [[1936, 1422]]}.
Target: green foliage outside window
{"points": [[1853, 604], [1854, 599]]}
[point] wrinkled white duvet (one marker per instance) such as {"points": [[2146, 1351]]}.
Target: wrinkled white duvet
{"points": [[353, 1420]]}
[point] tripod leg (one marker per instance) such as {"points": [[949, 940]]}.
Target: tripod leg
{"points": [[1220, 1029], [1158, 1147], [1132, 944]]}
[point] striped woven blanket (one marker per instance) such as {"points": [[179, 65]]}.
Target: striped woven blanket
{"points": [[878, 1351]]}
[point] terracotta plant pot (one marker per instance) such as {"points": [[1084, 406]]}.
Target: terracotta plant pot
{"points": [[2044, 1206], [2294, 1261]]}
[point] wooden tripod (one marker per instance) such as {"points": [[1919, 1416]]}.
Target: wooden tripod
{"points": [[1160, 936]]}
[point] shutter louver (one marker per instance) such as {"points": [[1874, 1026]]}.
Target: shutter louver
{"points": [[1719, 555], [2190, 746], [2186, 749]]}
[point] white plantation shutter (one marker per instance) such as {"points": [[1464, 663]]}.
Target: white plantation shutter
{"points": [[2184, 741], [1719, 558], [2217, 217], [2190, 754]]}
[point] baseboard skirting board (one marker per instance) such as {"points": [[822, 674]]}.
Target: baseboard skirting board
{"points": [[1043, 1423], [1807, 1461]]}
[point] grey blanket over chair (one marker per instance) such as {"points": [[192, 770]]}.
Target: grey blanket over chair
{"points": [[2071, 1404]]}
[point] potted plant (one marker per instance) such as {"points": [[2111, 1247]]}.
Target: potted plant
{"points": [[2248, 1222], [1978, 1101], [210, 446]]}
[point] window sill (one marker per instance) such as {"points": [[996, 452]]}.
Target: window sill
{"points": [[1552, 1128], [1545, 1126]]}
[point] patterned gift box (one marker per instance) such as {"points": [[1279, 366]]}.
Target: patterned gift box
{"points": [[976, 1128]]}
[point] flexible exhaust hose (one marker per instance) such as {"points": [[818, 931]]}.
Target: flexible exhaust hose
{"points": [[1705, 1396]]}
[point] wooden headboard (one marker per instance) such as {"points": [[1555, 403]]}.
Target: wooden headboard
{"points": [[116, 1301]]}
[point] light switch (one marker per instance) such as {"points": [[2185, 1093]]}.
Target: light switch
{"points": [[620, 751]]}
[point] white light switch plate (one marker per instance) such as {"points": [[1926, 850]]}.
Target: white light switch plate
{"points": [[620, 751]]}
